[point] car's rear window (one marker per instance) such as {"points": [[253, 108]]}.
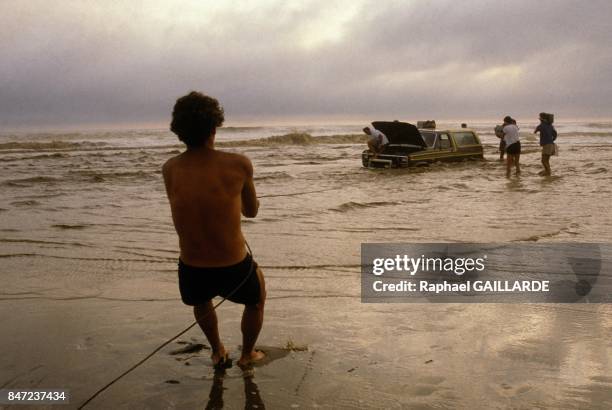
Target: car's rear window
{"points": [[465, 138]]}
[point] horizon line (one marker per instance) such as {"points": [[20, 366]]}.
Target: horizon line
{"points": [[263, 123]]}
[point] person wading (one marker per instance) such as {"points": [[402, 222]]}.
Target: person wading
{"points": [[513, 145], [548, 136]]}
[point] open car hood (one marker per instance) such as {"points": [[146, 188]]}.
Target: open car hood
{"points": [[400, 133]]}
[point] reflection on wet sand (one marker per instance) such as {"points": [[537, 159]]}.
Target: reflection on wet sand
{"points": [[252, 397], [215, 398]]}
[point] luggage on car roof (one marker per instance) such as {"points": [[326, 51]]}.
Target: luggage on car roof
{"points": [[429, 124]]}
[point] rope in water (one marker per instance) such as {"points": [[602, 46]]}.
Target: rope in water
{"points": [[166, 343]]}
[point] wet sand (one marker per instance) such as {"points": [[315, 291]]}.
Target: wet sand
{"points": [[382, 356], [89, 258]]}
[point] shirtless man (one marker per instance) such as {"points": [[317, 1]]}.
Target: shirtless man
{"points": [[208, 190]]}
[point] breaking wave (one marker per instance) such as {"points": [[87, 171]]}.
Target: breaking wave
{"points": [[296, 138]]}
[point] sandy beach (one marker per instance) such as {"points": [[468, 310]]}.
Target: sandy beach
{"points": [[89, 257]]}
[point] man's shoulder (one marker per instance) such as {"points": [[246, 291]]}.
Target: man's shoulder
{"points": [[233, 157], [236, 160], [229, 156], [170, 163]]}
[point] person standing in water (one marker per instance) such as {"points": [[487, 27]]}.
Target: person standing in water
{"points": [[548, 135], [499, 133], [208, 191], [513, 145]]}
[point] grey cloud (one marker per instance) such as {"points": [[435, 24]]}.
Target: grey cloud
{"points": [[92, 63]]}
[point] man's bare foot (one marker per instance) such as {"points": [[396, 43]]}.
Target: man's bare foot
{"points": [[220, 359], [252, 358]]}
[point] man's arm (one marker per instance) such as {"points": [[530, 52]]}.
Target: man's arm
{"points": [[536, 130], [250, 204]]}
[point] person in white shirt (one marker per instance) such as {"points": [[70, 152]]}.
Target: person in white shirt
{"points": [[377, 140], [513, 145]]}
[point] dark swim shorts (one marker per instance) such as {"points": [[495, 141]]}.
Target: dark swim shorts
{"points": [[514, 149], [199, 285]]}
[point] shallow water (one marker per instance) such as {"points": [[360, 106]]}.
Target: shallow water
{"points": [[84, 220]]}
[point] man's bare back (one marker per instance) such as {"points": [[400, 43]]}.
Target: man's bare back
{"points": [[208, 190]]}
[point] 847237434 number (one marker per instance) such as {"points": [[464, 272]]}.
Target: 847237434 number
{"points": [[32, 396]]}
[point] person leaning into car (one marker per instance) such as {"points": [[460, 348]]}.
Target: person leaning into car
{"points": [[376, 141]]}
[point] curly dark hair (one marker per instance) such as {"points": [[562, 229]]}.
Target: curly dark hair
{"points": [[195, 117]]}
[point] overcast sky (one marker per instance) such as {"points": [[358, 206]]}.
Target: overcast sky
{"points": [[66, 63]]}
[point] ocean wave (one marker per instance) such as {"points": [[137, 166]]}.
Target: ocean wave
{"points": [[598, 124], [240, 129], [26, 182], [80, 175], [97, 176], [273, 175], [349, 206], [295, 194], [30, 202], [599, 170], [537, 237], [30, 145], [296, 138], [70, 226], [34, 157], [586, 134]]}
